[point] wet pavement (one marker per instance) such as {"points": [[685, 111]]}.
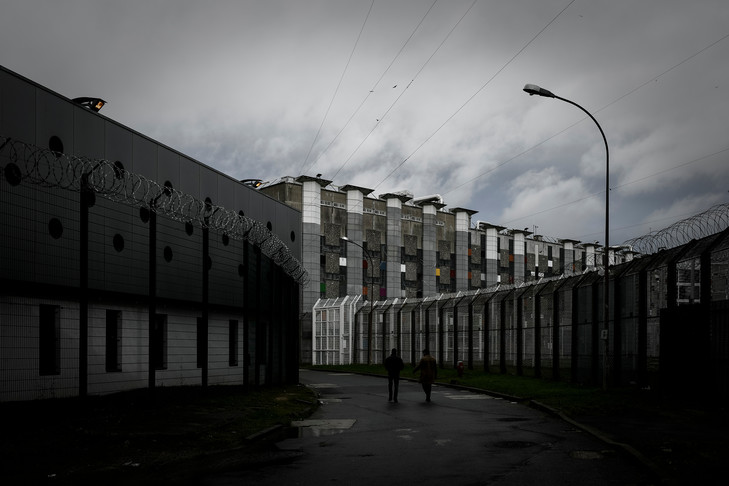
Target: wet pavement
{"points": [[462, 437]]}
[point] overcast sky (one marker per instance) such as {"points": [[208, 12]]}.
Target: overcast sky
{"points": [[415, 95]]}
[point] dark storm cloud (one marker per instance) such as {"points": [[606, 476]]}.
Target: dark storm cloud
{"points": [[245, 86]]}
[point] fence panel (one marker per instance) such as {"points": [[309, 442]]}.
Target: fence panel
{"points": [[553, 328]]}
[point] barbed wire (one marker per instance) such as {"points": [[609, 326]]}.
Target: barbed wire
{"points": [[46, 168], [713, 220]]}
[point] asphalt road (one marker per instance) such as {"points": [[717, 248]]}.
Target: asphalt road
{"points": [[357, 437]]}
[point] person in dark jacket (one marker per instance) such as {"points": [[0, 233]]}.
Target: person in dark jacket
{"points": [[393, 365], [428, 372]]}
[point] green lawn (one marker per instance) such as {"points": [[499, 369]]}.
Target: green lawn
{"points": [[571, 399]]}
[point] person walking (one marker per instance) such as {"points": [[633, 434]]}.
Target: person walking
{"points": [[428, 372], [393, 365]]}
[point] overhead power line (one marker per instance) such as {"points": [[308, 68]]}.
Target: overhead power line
{"points": [[408, 86], [463, 105], [499, 71], [370, 92], [392, 105], [634, 181], [620, 98], [339, 84]]}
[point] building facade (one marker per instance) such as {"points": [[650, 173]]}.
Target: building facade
{"points": [[399, 246], [126, 264]]}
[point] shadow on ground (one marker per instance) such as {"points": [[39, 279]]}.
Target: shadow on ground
{"points": [[142, 437]]}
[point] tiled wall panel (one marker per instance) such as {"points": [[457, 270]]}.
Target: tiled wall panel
{"points": [[41, 241], [19, 351], [179, 260], [226, 282]]}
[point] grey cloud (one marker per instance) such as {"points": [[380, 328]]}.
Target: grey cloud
{"points": [[244, 87]]}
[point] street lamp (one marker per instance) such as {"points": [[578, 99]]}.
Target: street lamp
{"points": [[533, 89], [372, 277]]}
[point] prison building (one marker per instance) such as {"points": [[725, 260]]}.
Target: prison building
{"points": [[399, 246], [126, 264]]}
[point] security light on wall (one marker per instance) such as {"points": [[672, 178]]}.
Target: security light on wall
{"points": [[252, 182], [93, 104]]}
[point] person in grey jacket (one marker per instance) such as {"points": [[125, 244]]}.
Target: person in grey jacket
{"points": [[428, 372]]}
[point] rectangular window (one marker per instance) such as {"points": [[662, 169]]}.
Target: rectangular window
{"points": [[158, 346], [200, 342], [49, 342], [113, 340], [233, 342]]}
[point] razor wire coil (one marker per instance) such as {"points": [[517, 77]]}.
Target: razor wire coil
{"points": [[47, 168], [713, 220]]}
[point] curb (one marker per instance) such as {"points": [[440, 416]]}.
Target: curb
{"points": [[664, 477], [598, 434], [263, 433]]}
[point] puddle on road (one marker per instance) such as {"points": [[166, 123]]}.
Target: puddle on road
{"points": [[325, 400], [318, 428], [589, 455], [468, 397], [323, 385]]}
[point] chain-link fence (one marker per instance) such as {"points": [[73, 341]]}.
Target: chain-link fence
{"points": [[553, 328]]}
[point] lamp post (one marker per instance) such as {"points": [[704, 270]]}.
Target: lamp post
{"points": [[369, 319], [533, 89]]}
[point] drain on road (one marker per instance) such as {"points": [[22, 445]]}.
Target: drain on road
{"points": [[589, 455]]}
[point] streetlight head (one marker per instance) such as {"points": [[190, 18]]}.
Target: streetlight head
{"points": [[344, 238], [533, 89]]}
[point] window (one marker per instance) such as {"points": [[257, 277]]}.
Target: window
{"points": [[113, 340], [158, 346], [200, 342], [49, 342], [233, 342]]}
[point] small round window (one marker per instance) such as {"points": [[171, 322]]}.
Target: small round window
{"points": [[55, 228], [118, 242], [13, 174], [55, 145]]}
